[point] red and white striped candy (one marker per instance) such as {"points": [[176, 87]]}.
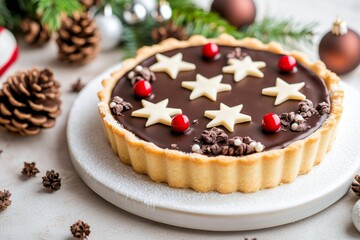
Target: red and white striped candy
{"points": [[8, 49]]}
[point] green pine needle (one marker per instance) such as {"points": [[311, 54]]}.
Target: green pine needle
{"points": [[52, 10], [7, 19]]}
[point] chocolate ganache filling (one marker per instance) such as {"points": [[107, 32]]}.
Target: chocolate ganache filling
{"points": [[246, 92]]}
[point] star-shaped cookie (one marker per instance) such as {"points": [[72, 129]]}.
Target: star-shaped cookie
{"points": [[208, 87], [243, 68], [171, 65], [156, 112], [284, 91], [227, 116]]}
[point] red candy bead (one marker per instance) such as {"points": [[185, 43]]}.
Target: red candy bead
{"points": [[287, 63], [271, 122], [180, 123], [142, 89], [210, 50]]}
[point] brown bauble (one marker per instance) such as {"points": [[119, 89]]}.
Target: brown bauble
{"points": [[239, 13], [340, 52]]}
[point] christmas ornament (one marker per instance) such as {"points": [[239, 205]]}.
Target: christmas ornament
{"points": [[286, 63], [356, 215], [163, 12], [180, 123], [78, 39], [134, 13], [29, 102], [142, 89], [210, 51], [170, 30], [271, 122], [110, 29], [150, 5], [8, 48], [239, 13], [339, 49]]}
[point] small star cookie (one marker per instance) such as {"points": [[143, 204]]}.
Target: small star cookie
{"points": [[171, 65], [226, 116], [208, 87], [245, 67], [156, 112], [284, 91]]}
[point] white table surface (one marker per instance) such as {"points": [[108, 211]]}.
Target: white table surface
{"points": [[37, 214]]}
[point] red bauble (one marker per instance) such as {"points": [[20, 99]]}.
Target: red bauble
{"points": [[9, 50], [180, 123], [286, 63], [271, 122], [142, 89], [210, 51], [239, 13], [339, 49]]}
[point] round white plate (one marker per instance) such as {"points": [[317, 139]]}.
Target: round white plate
{"points": [[116, 182]]}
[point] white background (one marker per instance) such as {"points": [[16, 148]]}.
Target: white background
{"points": [[36, 214]]}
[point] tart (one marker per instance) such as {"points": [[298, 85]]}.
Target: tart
{"points": [[235, 116]]}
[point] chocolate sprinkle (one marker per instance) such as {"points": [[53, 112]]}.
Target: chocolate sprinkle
{"points": [[141, 73], [323, 108], [118, 105], [216, 142], [237, 53]]}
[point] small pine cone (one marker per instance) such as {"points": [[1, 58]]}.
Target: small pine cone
{"points": [[34, 32], [355, 185], [30, 169], [90, 3], [80, 230], [78, 39], [52, 181], [29, 101], [5, 199], [170, 30]]}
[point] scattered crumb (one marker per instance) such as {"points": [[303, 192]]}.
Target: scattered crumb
{"points": [[195, 121], [174, 146], [77, 86]]}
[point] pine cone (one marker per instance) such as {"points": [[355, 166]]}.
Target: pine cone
{"points": [[30, 169], [170, 30], [78, 39], [29, 101], [34, 32], [5, 199], [52, 181], [80, 230], [355, 185], [90, 3]]}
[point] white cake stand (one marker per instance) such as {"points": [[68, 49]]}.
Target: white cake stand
{"points": [[100, 169]]}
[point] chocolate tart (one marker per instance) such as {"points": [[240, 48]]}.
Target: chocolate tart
{"points": [[286, 154]]}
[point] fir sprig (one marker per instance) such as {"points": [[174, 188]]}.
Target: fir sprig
{"points": [[52, 10], [6, 18], [286, 31]]}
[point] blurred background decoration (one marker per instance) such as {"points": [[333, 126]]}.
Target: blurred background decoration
{"points": [[131, 24]]}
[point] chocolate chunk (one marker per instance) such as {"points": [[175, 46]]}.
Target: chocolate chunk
{"points": [[323, 108]]}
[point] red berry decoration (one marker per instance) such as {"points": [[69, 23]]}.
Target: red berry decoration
{"points": [[271, 122], [180, 123], [210, 50], [287, 63], [142, 89]]}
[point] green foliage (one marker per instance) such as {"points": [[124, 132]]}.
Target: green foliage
{"points": [[51, 11], [7, 19], [285, 31]]}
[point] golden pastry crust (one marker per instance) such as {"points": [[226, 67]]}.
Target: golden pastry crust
{"points": [[224, 174]]}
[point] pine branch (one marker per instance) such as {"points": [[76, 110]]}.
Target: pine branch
{"points": [[285, 31], [51, 11], [7, 19]]}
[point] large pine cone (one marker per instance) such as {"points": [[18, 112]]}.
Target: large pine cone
{"points": [[34, 32], [79, 39], [29, 101]]}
